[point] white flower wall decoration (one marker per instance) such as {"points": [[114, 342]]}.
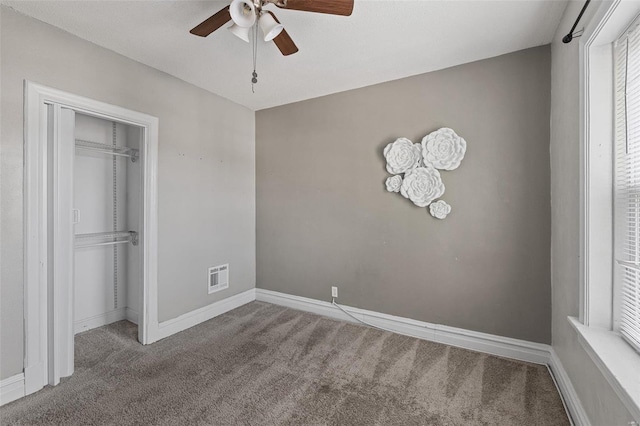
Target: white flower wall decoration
{"points": [[422, 185], [422, 182], [402, 155], [440, 209], [444, 149], [393, 183]]}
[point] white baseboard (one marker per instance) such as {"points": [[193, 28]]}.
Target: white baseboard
{"points": [[492, 344], [131, 315], [523, 350], [482, 342], [11, 388], [175, 325], [96, 321], [568, 392]]}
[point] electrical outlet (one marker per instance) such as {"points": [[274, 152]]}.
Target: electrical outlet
{"points": [[334, 292]]}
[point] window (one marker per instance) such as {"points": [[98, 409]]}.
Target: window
{"points": [[609, 325], [627, 185]]}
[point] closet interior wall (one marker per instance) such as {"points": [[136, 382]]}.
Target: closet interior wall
{"points": [[107, 199]]}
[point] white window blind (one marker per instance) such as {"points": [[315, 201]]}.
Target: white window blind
{"points": [[627, 183]]}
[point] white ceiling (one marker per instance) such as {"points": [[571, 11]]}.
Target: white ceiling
{"points": [[383, 40]]}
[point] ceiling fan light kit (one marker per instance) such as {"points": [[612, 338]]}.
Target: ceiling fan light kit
{"points": [[243, 13], [241, 32], [269, 26]]}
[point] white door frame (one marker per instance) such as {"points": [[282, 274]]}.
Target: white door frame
{"points": [[37, 356]]}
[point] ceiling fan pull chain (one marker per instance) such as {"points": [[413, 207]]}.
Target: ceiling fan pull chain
{"points": [[254, 74]]}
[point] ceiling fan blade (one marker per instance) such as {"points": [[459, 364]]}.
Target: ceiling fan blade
{"points": [[212, 23], [283, 40], [285, 44], [333, 7]]}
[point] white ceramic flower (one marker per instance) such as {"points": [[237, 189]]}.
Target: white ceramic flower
{"points": [[402, 155], [422, 185], [393, 183], [440, 209], [444, 149]]}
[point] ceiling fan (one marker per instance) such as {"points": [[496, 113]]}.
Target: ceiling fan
{"points": [[245, 13]]}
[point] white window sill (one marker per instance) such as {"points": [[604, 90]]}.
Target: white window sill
{"points": [[617, 361]]}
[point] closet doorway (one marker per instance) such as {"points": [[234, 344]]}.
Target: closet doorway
{"points": [[107, 223], [90, 225]]}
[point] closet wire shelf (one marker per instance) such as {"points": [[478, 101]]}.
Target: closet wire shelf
{"points": [[121, 151], [106, 239]]}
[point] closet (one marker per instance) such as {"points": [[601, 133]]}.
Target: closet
{"points": [[107, 222]]}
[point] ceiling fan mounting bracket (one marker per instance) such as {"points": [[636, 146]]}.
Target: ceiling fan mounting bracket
{"points": [[279, 3]]}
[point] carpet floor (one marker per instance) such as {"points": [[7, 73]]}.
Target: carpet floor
{"points": [[263, 364]]}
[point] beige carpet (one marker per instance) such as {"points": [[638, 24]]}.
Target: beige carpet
{"points": [[262, 364]]}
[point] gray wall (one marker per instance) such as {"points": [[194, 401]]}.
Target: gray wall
{"points": [[598, 398], [206, 168], [324, 217]]}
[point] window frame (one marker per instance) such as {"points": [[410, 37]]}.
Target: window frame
{"points": [[598, 323]]}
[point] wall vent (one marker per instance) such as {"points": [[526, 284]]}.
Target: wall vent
{"points": [[218, 278]]}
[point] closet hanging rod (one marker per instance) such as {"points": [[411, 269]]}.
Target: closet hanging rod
{"points": [[97, 239], [121, 151], [108, 234], [86, 148], [110, 243]]}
